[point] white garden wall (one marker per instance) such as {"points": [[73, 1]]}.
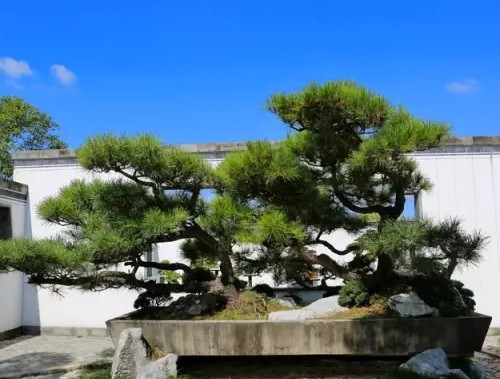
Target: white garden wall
{"points": [[468, 186], [42, 307], [11, 283]]}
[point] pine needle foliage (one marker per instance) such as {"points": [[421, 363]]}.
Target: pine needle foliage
{"points": [[345, 165]]}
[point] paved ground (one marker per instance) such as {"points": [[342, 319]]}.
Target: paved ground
{"points": [[29, 356]]}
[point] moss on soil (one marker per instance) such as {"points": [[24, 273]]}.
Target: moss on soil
{"points": [[375, 311]]}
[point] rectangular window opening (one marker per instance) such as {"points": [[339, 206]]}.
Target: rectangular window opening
{"points": [[5, 223], [411, 210]]}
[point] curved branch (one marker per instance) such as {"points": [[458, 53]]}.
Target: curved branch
{"points": [[399, 204], [105, 280], [161, 266], [392, 211], [134, 178], [355, 208], [194, 198], [350, 249], [325, 261]]}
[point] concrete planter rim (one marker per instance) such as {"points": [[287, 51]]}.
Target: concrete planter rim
{"points": [[320, 320], [458, 336]]}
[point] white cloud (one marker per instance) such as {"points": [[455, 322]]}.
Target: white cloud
{"points": [[14, 69], [462, 86], [65, 76]]}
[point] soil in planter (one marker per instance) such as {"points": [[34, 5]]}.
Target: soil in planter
{"points": [[376, 311], [250, 306]]}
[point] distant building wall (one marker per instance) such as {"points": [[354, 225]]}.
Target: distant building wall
{"points": [[12, 224], [465, 174]]}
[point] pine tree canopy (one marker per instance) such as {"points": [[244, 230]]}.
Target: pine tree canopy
{"points": [[346, 165]]}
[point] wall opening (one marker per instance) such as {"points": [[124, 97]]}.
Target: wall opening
{"points": [[5, 223], [412, 209]]}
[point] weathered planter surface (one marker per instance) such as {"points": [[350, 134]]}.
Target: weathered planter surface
{"points": [[378, 337]]}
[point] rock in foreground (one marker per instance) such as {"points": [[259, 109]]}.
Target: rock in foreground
{"points": [[434, 363], [131, 359]]}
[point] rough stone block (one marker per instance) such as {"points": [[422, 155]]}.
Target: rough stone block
{"points": [[162, 368], [131, 353]]}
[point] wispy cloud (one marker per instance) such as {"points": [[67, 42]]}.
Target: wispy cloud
{"points": [[462, 87], [14, 69], [63, 75]]}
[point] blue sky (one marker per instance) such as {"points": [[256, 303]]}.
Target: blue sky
{"points": [[200, 71]]}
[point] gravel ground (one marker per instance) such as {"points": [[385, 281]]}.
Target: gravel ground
{"points": [[490, 356]]}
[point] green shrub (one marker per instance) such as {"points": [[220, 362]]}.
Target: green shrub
{"points": [[199, 274], [263, 289], [240, 284], [152, 298], [353, 294]]}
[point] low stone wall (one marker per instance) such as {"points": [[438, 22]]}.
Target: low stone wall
{"points": [[64, 331], [11, 333], [384, 337]]}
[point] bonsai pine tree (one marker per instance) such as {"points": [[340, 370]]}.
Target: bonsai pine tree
{"points": [[345, 166], [151, 195]]}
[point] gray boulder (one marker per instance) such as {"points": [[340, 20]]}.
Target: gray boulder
{"points": [[162, 368], [458, 374], [320, 308], [190, 306], [287, 302], [410, 305], [432, 362], [292, 315], [130, 353], [477, 370]]}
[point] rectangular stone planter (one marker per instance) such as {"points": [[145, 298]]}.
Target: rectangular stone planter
{"points": [[375, 337]]}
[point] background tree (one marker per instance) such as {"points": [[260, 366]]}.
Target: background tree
{"points": [[23, 127], [344, 164]]}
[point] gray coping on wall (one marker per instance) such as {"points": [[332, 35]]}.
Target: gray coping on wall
{"points": [[64, 331], [451, 145], [13, 190]]}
